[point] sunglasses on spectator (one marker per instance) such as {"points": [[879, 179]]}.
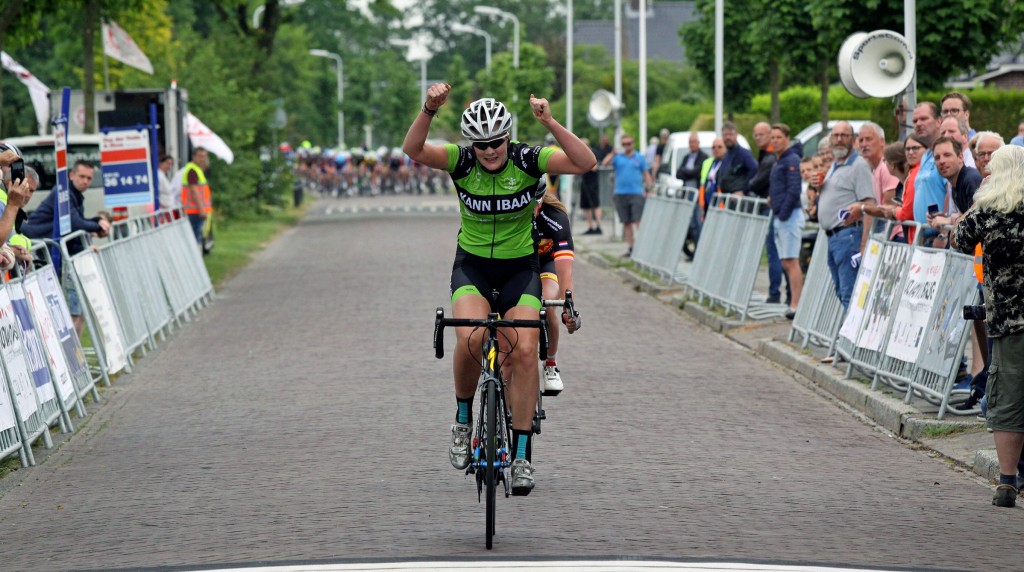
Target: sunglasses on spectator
{"points": [[492, 144]]}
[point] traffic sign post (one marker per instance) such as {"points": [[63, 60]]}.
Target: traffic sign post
{"points": [[62, 212], [127, 169]]}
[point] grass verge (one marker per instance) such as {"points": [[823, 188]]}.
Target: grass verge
{"points": [[239, 239]]}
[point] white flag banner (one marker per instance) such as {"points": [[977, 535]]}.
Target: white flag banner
{"points": [[37, 90], [202, 136], [120, 46]]}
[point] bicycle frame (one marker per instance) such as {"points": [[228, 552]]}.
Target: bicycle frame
{"points": [[492, 429]]}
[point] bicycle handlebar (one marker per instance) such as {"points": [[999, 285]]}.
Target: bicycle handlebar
{"points": [[440, 322]]}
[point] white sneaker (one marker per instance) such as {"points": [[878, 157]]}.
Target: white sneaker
{"points": [[522, 477], [458, 453], [552, 381]]}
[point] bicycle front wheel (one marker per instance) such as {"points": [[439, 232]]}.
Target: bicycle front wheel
{"points": [[491, 453]]}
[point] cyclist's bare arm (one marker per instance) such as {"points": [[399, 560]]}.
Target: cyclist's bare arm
{"points": [[575, 157], [415, 144]]}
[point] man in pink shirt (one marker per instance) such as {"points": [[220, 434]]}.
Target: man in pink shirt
{"points": [[871, 143]]}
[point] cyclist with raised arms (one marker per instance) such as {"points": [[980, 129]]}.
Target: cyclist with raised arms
{"points": [[496, 181], [555, 249]]}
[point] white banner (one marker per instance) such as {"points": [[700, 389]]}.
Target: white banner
{"points": [[883, 295], [98, 296], [859, 300], [202, 136], [48, 333], [959, 288], [14, 359], [37, 90], [120, 46], [6, 405], [919, 291], [54, 296]]}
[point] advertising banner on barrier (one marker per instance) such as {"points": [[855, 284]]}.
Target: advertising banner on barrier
{"points": [[959, 288], [33, 345], [916, 303], [98, 296], [62, 324], [14, 359], [859, 300], [48, 335], [127, 169], [6, 405], [882, 300]]}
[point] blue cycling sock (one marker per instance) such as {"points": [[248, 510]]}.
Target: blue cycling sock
{"points": [[523, 444], [464, 413], [1008, 480]]}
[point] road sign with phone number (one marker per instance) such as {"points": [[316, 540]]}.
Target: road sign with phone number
{"points": [[127, 170]]}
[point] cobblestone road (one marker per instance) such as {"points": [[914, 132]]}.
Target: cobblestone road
{"points": [[303, 417]]}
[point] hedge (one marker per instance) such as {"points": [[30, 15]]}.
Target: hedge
{"points": [[996, 110]]}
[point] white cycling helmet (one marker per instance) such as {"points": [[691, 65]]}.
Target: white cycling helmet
{"points": [[486, 119]]}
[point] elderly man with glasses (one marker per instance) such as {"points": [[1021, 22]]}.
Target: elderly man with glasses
{"points": [[847, 189]]}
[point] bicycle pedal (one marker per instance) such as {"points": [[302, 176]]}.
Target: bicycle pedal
{"points": [[551, 392], [542, 415]]}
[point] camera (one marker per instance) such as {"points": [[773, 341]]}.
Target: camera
{"points": [[18, 171], [976, 313]]}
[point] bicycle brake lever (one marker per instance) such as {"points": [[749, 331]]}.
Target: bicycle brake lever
{"points": [[439, 333]]}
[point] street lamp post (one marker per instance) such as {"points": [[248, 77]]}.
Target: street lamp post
{"points": [[341, 90], [492, 11], [417, 52], [487, 41]]}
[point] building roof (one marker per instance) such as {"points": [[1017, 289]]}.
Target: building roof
{"points": [[663, 22]]}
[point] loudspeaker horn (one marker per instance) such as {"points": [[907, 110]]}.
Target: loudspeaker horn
{"points": [[604, 108], [876, 64]]}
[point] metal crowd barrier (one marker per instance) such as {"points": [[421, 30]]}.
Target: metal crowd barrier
{"points": [[904, 326], [819, 313], [733, 238], [133, 287], [51, 312], [666, 221], [923, 354]]}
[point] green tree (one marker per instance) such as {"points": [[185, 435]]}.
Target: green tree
{"points": [[746, 70]]}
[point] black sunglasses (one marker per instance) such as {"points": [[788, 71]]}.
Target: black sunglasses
{"points": [[492, 144]]}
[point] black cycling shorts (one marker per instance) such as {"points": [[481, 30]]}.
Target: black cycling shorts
{"points": [[516, 279]]}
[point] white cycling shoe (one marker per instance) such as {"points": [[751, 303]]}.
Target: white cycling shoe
{"points": [[552, 381]]}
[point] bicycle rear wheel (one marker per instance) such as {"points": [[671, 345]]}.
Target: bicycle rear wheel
{"points": [[491, 453]]}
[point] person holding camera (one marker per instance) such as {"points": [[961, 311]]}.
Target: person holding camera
{"points": [[996, 220]]}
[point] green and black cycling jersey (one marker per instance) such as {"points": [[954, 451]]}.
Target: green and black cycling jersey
{"points": [[497, 208]]}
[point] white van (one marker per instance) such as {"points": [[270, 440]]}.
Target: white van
{"points": [[811, 135], [678, 147], [38, 153]]}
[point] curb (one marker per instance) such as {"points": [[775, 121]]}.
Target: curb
{"points": [[891, 413]]}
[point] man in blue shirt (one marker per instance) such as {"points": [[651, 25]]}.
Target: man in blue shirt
{"points": [[929, 185], [631, 180]]}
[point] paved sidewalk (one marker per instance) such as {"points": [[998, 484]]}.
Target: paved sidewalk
{"points": [[961, 439]]}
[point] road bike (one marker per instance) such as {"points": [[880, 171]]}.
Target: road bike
{"points": [[492, 428]]}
